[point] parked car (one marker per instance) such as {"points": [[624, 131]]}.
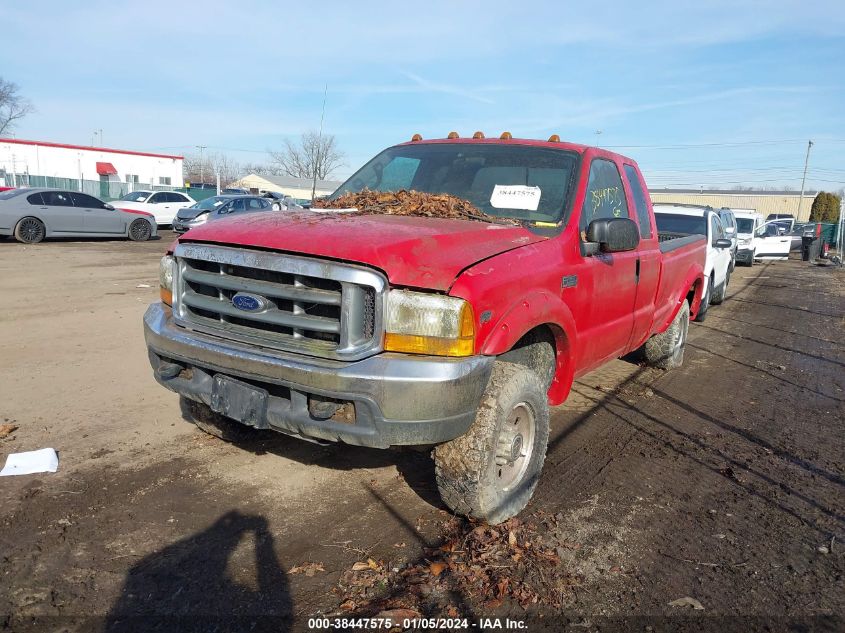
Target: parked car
{"points": [[784, 221], [728, 219], [32, 215], [747, 223], [771, 242], [163, 205], [286, 202], [680, 220], [391, 330], [218, 207]]}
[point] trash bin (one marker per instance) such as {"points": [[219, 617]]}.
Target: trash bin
{"points": [[811, 242]]}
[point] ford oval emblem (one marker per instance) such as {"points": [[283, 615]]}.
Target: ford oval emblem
{"points": [[248, 302]]}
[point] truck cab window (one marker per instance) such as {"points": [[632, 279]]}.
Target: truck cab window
{"points": [[605, 196], [639, 200]]}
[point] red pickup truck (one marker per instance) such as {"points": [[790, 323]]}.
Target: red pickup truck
{"points": [[457, 334]]}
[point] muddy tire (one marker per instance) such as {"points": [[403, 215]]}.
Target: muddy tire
{"points": [[491, 471], [218, 425], [720, 292], [666, 350], [140, 230], [536, 351], [705, 302], [30, 231]]}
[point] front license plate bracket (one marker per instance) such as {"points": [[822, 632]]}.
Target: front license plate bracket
{"points": [[239, 401]]}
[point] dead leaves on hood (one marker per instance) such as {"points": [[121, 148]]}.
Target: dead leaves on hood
{"points": [[409, 203]]}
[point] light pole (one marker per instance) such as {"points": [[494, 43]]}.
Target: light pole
{"points": [[804, 179], [202, 164]]}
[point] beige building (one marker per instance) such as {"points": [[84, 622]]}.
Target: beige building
{"points": [[764, 202], [298, 188]]}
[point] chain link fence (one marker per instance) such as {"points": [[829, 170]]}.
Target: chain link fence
{"points": [[106, 190]]}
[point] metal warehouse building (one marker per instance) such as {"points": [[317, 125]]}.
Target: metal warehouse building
{"points": [[99, 171], [764, 202], [298, 188]]}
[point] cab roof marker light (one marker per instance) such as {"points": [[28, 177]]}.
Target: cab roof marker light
{"points": [[453, 135], [506, 136], [416, 137], [554, 138], [478, 134]]}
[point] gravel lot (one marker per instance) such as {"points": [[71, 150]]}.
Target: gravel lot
{"points": [[721, 482]]}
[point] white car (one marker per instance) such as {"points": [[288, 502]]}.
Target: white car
{"points": [[771, 242], [162, 204], [679, 220]]}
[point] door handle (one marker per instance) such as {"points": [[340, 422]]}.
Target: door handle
{"points": [[637, 273]]}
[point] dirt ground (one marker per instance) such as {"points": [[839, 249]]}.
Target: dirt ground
{"points": [[722, 482]]}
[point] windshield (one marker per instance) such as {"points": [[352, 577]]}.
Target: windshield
{"points": [[137, 196], [210, 203], [744, 225], [513, 181], [678, 223]]}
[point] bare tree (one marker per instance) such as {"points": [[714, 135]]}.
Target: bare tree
{"points": [[13, 106], [196, 169], [262, 169], [312, 156]]}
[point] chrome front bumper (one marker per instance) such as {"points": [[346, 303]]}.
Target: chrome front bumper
{"points": [[398, 399]]}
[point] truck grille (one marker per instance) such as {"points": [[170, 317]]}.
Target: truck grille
{"points": [[311, 306]]}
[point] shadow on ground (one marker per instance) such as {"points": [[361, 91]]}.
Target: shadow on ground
{"points": [[200, 583]]}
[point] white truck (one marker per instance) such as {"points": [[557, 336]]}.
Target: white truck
{"points": [[679, 220]]}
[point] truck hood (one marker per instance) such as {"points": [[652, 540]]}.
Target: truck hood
{"points": [[413, 251]]}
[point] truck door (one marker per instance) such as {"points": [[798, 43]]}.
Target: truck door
{"points": [[648, 261], [608, 279]]}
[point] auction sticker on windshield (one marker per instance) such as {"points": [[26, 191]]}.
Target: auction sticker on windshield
{"points": [[515, 197]]}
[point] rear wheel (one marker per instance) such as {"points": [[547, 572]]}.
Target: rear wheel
{"points": [[30, 231], [666, 350], [140, 230], [491, 471], [218, 425], [705, 302]]}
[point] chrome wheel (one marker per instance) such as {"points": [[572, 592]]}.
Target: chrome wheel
{"points": [[516, 441], [30, 230], [140, 231]]}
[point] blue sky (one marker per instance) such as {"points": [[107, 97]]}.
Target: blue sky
{"points": [[740, 86]]}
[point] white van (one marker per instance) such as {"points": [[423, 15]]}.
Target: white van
{"points": [[747, 222]]}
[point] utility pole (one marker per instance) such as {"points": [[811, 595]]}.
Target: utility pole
{"points": [[202, 164], [319, 145], [804, 179]]}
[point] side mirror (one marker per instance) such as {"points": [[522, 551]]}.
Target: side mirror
{"points": [[109, 207], [722, 243], [614, 235]]}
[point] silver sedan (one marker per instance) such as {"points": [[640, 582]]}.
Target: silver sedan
{"points": [[32, 215]]}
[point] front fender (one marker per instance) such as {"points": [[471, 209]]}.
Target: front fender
{"points": [[538, 308]]}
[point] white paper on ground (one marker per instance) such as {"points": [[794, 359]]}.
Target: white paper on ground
{"points": [[42, 461], [515, 197]]}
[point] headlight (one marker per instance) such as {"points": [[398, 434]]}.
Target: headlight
{"points": [[421, 323], [745, 241], [165, 279]]}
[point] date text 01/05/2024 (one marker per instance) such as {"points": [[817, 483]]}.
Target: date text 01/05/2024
{"points": [[429, 624]]}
